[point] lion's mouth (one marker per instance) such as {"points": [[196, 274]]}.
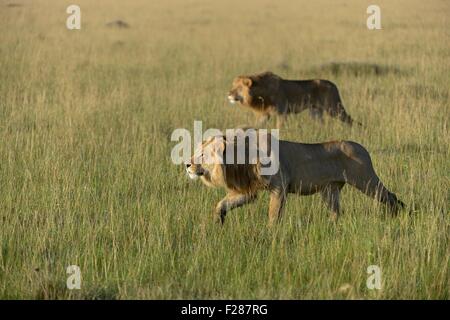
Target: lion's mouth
{"points": [[233, 99], [194, 175]]}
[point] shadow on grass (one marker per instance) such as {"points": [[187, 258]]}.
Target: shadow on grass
{"points": [[410, 148], [420, 91], [120, 24], [14, 5], [356, 69]]}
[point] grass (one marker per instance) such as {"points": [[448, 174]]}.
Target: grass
{"points": [[85, 171]]}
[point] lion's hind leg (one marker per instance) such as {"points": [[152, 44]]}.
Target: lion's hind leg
{"points": [[330, 195], [362, 176]]}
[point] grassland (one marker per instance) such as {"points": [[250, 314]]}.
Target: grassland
{"points": [[85, 170]]}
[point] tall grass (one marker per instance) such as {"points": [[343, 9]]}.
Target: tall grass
{"points": [[85, 170]]}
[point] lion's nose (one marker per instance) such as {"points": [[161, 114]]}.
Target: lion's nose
{"points": [[188, 165]]}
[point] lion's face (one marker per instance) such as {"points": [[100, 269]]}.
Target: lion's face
{"points": [[195, 171], [205, 157], [240, 90], [195, 166]]}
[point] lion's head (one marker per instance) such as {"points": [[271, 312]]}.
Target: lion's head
{"points": [[213, 165], [206, 158], [240, 90], [255, 90]]}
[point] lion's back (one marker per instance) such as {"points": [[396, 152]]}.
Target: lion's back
{"points": [[312, 88]]}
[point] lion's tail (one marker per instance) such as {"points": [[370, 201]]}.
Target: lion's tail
{"points": [[377, 190], [344, 116], [340, 112], [395, 203]]}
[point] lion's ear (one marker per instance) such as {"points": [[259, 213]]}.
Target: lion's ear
{"points": [[247, 82], [213, 151], [219, 144]]}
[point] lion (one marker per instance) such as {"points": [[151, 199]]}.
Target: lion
{"points": [[267, 94], [304, 169]]}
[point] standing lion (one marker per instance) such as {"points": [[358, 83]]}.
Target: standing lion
{"points": [[303, 169], [267, 94]]}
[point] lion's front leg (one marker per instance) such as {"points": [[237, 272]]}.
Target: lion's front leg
{"points": [[331, 197], [276, 205], [207, 179], [261, 120], [281, 119], [230, 202], [316, 113]]}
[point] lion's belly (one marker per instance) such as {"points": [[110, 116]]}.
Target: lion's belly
{"points": [[297, 108], [298, 97], [298, 105], [309, 168], [307, 188], [312, 177]]}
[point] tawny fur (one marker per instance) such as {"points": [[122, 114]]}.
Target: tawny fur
{"points": [[267, 94], [304, 169]]}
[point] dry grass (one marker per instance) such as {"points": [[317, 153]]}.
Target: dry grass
{"points": [[85, 170]]}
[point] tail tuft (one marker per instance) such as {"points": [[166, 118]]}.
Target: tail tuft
{"points": [[401, 204], [395, 203]]}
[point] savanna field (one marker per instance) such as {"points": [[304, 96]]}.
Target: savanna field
{"points": [[86, 178]]}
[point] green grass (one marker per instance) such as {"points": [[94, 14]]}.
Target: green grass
{"points": [[85, 170]]}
